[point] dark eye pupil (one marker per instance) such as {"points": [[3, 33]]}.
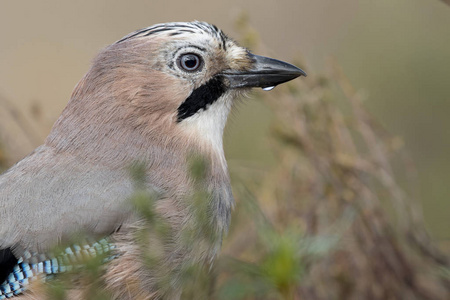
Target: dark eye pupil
{"points": [[190, 62]]}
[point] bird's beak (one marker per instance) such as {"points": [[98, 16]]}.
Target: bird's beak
{"points": [[265, 73]]}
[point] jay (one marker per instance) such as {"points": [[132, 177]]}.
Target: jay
{"points": [[156, 96]]}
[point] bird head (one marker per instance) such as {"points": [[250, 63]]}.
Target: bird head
{"points": [[170, 84]]}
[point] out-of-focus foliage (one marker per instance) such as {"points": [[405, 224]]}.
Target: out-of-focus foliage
{"points": [[345, 229]]}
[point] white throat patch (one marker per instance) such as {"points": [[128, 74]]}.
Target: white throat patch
{"points": [[207, 125]]}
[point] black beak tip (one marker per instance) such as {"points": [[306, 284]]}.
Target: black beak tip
{"points": [[302, 73]]}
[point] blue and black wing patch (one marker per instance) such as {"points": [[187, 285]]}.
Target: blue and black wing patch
{"points": [[16, 274], [7, 263]]}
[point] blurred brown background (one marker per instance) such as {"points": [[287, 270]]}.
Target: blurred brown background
{"points": [[397, 53]]}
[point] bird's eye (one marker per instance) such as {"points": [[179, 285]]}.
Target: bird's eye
{"points": [[190, 62]]}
